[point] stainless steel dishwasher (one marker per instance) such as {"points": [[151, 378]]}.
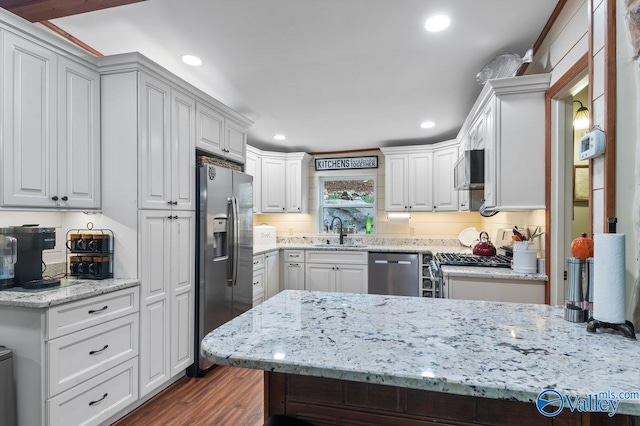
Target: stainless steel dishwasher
{"points": [[394, 273]]}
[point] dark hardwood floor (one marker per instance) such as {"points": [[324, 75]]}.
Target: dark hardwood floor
{"points": [[225, 396]]}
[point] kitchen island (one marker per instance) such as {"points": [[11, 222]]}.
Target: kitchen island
{"points": [[403, 360]]}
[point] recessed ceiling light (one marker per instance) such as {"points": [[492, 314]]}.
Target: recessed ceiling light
{"points": [[437, 23], [279, 137], [427, 124], [192, 60]]}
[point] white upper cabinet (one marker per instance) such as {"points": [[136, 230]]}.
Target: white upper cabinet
{"points": [[420, 182], [297, 183], [210, 128], [253, 167], [167, 146], [273, 184], [220, 135], [445, 197], [396, 176], [507, 121], [281, 181], [50, 115], [183, 131], [420, 178], [155, 143]]}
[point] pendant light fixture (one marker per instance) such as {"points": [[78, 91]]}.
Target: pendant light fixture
{"points": [[581, 119]]}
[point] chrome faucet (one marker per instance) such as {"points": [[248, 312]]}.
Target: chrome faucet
{"points": [[342, 234]]}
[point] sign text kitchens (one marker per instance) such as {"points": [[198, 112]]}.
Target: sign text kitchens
{"points": [[345, 163]]}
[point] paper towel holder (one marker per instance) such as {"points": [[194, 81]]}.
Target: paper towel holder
{"points": [[593, 324]]}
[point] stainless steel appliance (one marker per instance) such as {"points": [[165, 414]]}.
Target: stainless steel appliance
{"points": [[394, 274], [224, 238], [8, 257], [468, 172], [32, 240]]}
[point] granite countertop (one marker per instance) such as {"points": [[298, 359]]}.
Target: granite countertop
{"points": [[69, 290], [486, 349], [495, 273]]}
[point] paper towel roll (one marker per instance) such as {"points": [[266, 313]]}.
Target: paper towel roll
{"points": [[609, 278]]}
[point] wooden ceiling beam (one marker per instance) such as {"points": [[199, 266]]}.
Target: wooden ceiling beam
{"points": [[43, 10]]}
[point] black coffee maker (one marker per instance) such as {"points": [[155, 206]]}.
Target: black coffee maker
{"points": [[32, 240]]}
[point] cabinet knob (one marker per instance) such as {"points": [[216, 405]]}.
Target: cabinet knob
{"points": [[298, 208], [175, 203], [169, 202], [435, 207], [175, 217], [410, 206], [283, 208], [54, 198]]}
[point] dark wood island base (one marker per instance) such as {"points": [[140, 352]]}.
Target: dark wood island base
{"points": [[339, 402]]}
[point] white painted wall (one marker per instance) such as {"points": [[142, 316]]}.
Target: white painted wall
{"points": [[43, 219]]}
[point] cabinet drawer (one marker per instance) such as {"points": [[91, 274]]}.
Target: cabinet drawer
{"points": [[258, 261], [294, 255], [258, 281], [97, 399], [74, 316], [77, 357], [337, 257]]}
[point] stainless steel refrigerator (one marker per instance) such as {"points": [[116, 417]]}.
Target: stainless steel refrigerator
{"points": [[224, 238]]}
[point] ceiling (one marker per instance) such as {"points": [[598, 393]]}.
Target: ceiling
{"points": [[332, 75]]}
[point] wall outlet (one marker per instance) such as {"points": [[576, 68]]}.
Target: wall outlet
{"points": [[412, 231], [290, 232]]}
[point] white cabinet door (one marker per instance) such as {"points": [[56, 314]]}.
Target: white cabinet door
{"points": [[273, 185], [253, 167], [183, 137], [445, 197], [490, 162], [235, 141], [419, 183], [294, 276], [294, 184], [155, 143], [78, 135], [209, 130], [396, 175], [29, 157], [320, 277], [352, 279], [155, 276], [272, 277], [182, 290]]}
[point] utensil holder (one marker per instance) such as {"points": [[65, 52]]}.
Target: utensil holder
{"points": [[573, 296]]}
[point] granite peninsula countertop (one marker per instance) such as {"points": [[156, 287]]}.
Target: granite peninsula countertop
{"points": [[490, 273], [485, 349], [69, 290]]}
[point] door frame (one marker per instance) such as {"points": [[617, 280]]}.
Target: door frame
{"points": [[555, 181]]}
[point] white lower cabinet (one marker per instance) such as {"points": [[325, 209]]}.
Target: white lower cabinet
{"points": [[293, 269], [74, 363], [496, 290], [97, 399], [166, 273], [257, 282], [336, 271], [271, 274], [266, 276]]}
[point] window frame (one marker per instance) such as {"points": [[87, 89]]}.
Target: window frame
{"points": [[330, 177]]}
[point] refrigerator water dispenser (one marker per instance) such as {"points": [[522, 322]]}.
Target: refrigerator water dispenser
{"points": [[220, 245]]}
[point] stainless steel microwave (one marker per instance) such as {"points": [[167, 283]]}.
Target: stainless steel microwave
{"points": [[469, 170]]}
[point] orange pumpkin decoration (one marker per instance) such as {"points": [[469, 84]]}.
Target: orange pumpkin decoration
{"points": [[582, 247]]}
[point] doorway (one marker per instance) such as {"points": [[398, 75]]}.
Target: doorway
{"points": [[568, 213]]}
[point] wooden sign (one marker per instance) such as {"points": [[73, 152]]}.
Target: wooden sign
{"points": [[347, 163]]}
